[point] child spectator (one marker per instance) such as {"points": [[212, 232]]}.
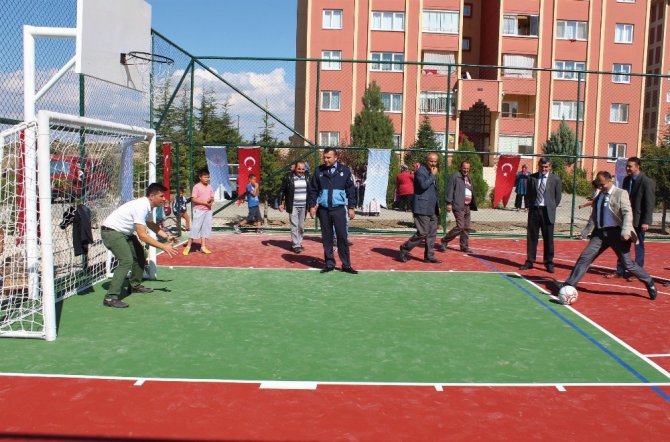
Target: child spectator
{"points": [[179, 207], [202, 198], [253, 201]]}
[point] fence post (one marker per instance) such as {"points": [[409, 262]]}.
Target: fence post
{"points": [[446, 146], [576, 157], [316, 128], [190, 130]]}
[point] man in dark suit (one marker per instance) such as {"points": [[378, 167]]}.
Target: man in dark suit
{"points": [[613, 220], [642, 192], [544, 195], [426, 211], [460, 201]]}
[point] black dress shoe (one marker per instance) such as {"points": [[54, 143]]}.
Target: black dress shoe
{"points": [[402, 257], [432, 260], [526, 266], [327, 269], [349, 270], [140, 289], [297, 250], [466, 249], [114, 303], [550, 268], [651, 289], [442, 247]]}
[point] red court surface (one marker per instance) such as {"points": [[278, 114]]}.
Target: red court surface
{"points": [[104, 409]]}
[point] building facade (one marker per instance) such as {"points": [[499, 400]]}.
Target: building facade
{"points": [[507, 109]]}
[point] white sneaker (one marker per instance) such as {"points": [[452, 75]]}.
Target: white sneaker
{"points": [[236, 228]]}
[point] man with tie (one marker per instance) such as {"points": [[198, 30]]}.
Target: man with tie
{"points": [[544, 195], [460, 201], [642, 193], [332, 190], [613, 220]]}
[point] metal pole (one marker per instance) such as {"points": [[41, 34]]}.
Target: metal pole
{"points": [[317, 141], [178, 214], [190, 130], [446, 144], [576, 152]]}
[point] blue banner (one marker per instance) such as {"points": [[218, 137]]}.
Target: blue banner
{"points": [[217, 163], [377, 178]]}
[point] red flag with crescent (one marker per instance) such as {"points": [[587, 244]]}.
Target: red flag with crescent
{"points": [[505, 177], [249, 160]]}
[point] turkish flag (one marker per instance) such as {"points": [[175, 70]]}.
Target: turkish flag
{"points": [[249, 160], [505, 177]]}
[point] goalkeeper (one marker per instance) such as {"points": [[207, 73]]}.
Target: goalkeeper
{"points": [[121, 233]]}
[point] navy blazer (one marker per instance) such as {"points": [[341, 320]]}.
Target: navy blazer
{"points": [[642, 199], [424, 201]]}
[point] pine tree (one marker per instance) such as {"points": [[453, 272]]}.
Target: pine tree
{"points": [[561, 142]]}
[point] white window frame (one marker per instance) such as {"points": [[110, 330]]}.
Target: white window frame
{"points": [[667, 119], [330, 100], [440, 21], [619, 112], [625, 1], [441, 139], [579, 32], [511, 144], [511, 25], [387, 56], [438, 57], [435, 102], [667, 97], [621, 30], [518, 60], [392, 102], [559, 107], [512, 110], [328, 19], [621, 72], [614, 151], [571, 66], [397, 139], [382, 19], [331, 138], [331, 65]]}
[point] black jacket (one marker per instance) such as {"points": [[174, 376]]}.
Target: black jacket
{"points": [[642, 199], [287, 190]]}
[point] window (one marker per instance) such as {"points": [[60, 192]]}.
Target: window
{"points": [[434, 103], [329, 138], [570, 30], [623, 33], [625, 1], [330, 100], [465, 44], [667, 118], [467, 10], [438, 57], [616, 150], [568, 69], [524, 61], [386, 56], [388, 21], [331, 65], [667, 97], [515, 144], [332, 19], [567, 110], [396, 141], [442, 22], [440, 138], [510, 109], [392, 102], [619, 113], [525, 25], [620, 70]]}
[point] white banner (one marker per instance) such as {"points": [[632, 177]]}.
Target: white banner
{"points": [[217, 163], [377, 178]]}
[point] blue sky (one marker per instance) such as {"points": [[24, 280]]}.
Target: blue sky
{"points": [[246, 28]]}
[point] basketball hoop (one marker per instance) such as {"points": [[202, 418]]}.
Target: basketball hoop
{"points": [[138, 57]]}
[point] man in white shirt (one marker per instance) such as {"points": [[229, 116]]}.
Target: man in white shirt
{"points": [[121, 233]]}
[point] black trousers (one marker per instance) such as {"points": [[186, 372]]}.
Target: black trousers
{"points": [[334, 218], [538, 221]]}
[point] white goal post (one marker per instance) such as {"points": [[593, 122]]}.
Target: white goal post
{"points": [[53, 170]]}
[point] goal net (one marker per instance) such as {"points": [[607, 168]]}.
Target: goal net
{"points": [[58, 174]]}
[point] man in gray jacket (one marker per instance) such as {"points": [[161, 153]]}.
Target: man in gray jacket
{"points": [[460, 200], [426, 211]]}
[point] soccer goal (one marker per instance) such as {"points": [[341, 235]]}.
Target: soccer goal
{"points": [[59, 173]]}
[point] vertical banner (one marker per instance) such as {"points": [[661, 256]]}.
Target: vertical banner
{"points": [[167, 162], [249, 160], [505, 177], [217, 163], [377, 177], [620, 171]]}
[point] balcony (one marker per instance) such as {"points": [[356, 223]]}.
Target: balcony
{"points": [[517, 124], [486, 91]]}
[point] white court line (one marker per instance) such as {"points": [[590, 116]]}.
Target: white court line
{"points": [[611, 335], [438, 387], [560, 388], [139, 382], [345, 383], [288, 385], [659, 355]]}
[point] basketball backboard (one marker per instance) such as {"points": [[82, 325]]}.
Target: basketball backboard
{"points": [[105, 30]]}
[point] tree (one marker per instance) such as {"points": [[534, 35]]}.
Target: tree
{"points": [[373, 129], [561, 142], [425, 140], [657, 166]]}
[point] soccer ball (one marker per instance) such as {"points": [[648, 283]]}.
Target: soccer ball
{"points": [[568, 295]]}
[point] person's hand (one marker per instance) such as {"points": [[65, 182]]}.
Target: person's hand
{"points": [[281, 207], [167, 248], [312, 212], [433, 170], [352, 213], [644, 227], [449, 207], [626, 237]]}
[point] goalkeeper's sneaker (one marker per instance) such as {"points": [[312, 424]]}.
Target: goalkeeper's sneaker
{"points": [[237, 229], [187, 250], [206, 251]]}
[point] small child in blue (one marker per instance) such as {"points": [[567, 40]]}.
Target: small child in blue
{"points": [[179, 206], [254, 217]]}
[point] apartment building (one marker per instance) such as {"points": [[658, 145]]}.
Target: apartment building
{"points": [[657, 97], [511, 109]]}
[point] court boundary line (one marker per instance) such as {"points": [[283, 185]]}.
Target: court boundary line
{"points": [[578, 329]]}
